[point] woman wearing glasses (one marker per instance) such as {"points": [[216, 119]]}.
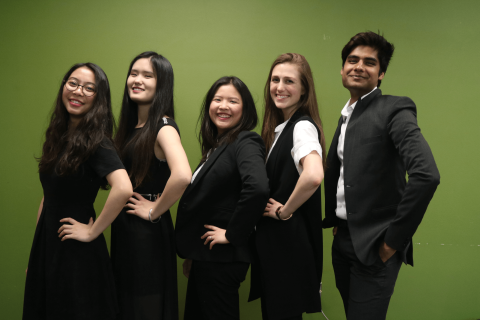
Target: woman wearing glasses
{"points": [[143, 249], [69, 273]]}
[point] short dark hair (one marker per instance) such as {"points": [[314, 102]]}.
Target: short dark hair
{"points": [[371, 39], [209, 137]]}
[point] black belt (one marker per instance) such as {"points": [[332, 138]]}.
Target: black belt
{"points": [[150, 196]]}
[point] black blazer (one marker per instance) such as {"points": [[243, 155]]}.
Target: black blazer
{"points": [[382, 143], [230, 192]]}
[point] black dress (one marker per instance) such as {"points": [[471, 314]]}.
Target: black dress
{"points": [[143, 253], [71, 279]]}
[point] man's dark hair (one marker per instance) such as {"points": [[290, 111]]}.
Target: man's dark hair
{"points": [[371, 39]]}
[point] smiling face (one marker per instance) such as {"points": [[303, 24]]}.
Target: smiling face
{"points": [[226, 108], [76, 102], [286, 88], [142, 82], [360, 73]]}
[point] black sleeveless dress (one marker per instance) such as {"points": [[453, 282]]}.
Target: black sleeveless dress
{"points": [[71, 279], [143, 253]]}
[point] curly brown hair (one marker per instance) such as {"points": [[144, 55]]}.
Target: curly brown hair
{"points": [[64, 152]]}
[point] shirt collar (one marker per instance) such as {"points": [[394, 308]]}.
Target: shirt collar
{"points": [[347, 110]]}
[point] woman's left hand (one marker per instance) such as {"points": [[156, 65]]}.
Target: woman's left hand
{"points": [[76, 230], [271, 208], [139, 205], [215, 236]]}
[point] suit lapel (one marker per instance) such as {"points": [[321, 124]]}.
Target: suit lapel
{"points": [[208, 164], [361, 106], [334, 144]]}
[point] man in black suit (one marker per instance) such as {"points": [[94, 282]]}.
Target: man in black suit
{"points": [[373, 209]]}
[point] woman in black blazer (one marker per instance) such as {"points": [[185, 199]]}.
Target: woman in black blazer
{"points": [[219, 209], [289, 236]]}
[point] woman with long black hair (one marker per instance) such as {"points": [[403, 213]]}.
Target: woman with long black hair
{"points": [[69, 274], [143, 249], [289, 236], [220, 208]]}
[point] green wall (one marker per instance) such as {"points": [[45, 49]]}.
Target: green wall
{"points": [[435, 64]]}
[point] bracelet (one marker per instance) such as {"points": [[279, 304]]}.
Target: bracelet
{"points": [[277, 213], [150, 217]]}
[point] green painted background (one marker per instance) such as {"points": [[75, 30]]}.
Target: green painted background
{"points": [[435, 63]]}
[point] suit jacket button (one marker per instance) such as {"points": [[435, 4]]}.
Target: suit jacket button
{"points": [[348, 186]]}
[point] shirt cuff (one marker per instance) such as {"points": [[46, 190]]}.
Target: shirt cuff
{"points": [[301, 151]]}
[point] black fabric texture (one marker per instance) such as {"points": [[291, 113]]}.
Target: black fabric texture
{"points": [[71, 279], [143, 253]]}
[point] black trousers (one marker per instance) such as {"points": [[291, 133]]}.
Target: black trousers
{"points": [[212, 291], [365, 290], [265, 315]]}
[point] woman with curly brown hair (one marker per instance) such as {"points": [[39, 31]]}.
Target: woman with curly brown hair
{"points": [[69, 274]]}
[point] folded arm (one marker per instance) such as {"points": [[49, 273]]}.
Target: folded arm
{"points": [[119, 194], [180, 176], [307, 184], [423, 175], [250, 157]]}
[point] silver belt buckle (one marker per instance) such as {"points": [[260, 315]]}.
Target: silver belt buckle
{"points": [[150, 196]]}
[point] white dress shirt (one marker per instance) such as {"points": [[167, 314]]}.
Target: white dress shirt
{"points": [[305, 140], [347, 111]]}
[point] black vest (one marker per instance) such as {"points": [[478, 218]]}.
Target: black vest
{"points": [[290, 252]]}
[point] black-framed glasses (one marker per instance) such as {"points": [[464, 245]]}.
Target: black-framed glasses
{"points": [[87, 89]]}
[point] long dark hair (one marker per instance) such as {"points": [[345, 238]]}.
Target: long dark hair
{"points": [[162, 105], [65, 151], [307, 105], [208, 136]]}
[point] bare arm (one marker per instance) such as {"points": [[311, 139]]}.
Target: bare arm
{"points": [[119, 194], [307, 184], [181, 174]]}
